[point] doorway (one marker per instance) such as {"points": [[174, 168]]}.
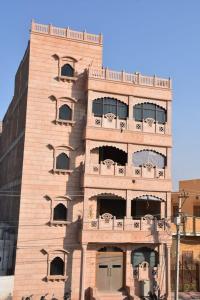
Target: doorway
{"points": [[109, 270]]}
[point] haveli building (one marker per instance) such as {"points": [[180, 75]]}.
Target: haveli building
{"points": [[189, 261], [87, 153]]}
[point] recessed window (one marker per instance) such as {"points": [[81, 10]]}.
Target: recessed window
{"points": [[144, 254], [57, 266], [144, 157], [103, 106], [149, 110], [65, 112], [60, 212], [62, 162], [67, 70]]}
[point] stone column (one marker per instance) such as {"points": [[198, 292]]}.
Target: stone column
{"points": [[128, 205], [168, 272], [168, 203], [84, 250], [89, 108], [169, 118], [85, 208]]}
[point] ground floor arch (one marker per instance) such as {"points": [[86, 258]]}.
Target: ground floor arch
{"points": [[109, 269]]}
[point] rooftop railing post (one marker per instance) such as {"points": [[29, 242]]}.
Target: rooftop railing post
{"points": [[100, 39], [67, 32], [154, 80], [106, 73], [50, 29], [169, 83], [32, 25], [84, 35], [123, 75], [138, 78]]}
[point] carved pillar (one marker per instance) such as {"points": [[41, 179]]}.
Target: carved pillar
{"points": [[128, 205], [85, 208], [168, 272], [90, 119], [84, 250]]}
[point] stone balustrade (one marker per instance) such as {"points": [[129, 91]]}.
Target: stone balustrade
{"points": [[126, 224], [66, 33], [132, 78], [128, 124], [117, 170]]}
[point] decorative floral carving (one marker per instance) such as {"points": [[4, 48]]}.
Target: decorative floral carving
{"points": [[107, 217], [108, 163], [149, 121], [148, 217], [149, 166], [110, 116]]}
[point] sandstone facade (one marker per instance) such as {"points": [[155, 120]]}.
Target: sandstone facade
{"points": [[97, 144]]}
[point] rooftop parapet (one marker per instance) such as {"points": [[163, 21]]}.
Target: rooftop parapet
{"points": [[134, 78], [67, 33]]}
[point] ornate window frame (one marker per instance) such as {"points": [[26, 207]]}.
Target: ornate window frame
{"points": [[58, 150], [60, 102], [66, 60], [54, 201], [51, 254]]}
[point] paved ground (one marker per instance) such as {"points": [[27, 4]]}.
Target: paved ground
{"points": [[188, 296]]}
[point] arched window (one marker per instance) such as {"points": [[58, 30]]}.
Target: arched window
{"points": [[65, 112], [144, 157], [115, 154], [67, 70], [60, 212], [144, 254], [57, 266], [149, 110], [103, 106], [146, 205], [62, 162]]}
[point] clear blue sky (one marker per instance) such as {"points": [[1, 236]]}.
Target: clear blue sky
{"points": [[159, 37]]}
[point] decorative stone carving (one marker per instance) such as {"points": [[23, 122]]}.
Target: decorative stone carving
{"points": [[108, 163], [148, 217], [110, 117], [149, 166], [107, 217], [149, 121]]}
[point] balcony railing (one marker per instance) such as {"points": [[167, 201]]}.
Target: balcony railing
{"points": [[126, 224], [66, 33], [190, 226], [132, 78], [113, 169], [129, 124]]}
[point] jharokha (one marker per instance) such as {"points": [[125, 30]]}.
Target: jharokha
{"points": [[85, 160]]}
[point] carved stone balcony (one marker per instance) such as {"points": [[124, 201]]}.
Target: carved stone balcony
{"points": [[143, 224], [102, 230], [113, 122], [113, 169]]}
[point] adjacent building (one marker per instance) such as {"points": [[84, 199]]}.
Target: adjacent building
{"points": [[190, 236], [87, 153]]}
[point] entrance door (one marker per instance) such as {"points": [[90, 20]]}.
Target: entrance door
{"points": [[109, 271]]}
